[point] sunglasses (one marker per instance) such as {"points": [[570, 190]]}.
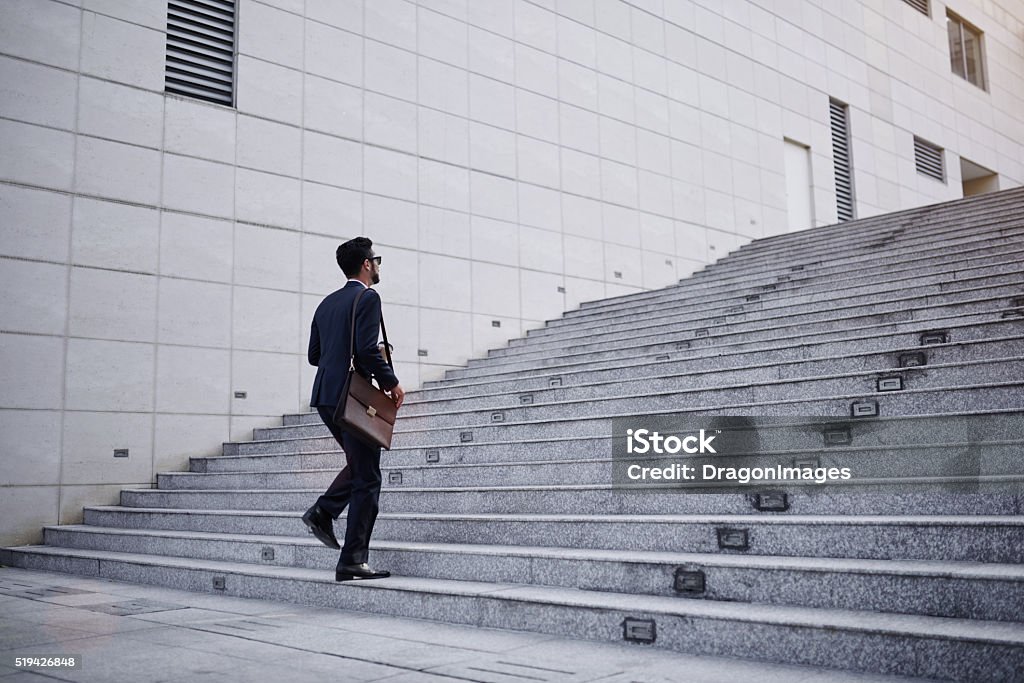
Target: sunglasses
{"points": [[376, 258]]}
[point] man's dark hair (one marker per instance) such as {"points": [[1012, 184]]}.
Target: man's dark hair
{"points": [[351, 255]]}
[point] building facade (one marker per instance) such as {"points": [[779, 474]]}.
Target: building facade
{"points": [[176, 176]]}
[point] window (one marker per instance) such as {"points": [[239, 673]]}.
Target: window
{"points": [[965, 50], [842, 158], [928, 159], [920, 5], [201, 49]]}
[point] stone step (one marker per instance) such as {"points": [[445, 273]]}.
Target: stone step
{"points": [[835, 262], [938, 265], [877, 642], [897, 496], [908, 402], [758, 257], [577, 466], [931, 287], [504, 391], [974, 536], [719, 386], [666, 394], [997, 300], [879, 227], [701, 351], [971, 590], [885, 230], [963, 321], [798, 438]]}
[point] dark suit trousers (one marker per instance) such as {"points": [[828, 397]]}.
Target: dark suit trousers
{"points": [[358, 486]]}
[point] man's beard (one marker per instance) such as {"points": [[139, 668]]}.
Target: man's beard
{"points": [[376, 278]]}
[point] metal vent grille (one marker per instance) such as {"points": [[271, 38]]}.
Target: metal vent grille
{"points": [[928, 159], [842, 158], [201, 49], [920, 5]]}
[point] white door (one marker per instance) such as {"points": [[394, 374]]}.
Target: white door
{"points": [[798, 186]]}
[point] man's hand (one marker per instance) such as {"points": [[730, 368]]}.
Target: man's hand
{"points": [[397, 394]]}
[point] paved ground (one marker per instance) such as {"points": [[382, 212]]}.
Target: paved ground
{"points": [[143, 634]]}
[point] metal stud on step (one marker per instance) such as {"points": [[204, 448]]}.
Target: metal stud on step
{"points": [[771, 501], [433, 455], [267, 553], [890, 384], [394, 477], [837, 436], [639, 630], [498, 417], [690, 581], [935, 337], [465, 437], [912, 360], [732, 539], [526, 399], [864, 409]]}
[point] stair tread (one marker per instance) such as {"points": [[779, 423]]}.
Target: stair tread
{"points": [[952, 628], [553, 461], [991, 478], [937, 568], [970, 520]]}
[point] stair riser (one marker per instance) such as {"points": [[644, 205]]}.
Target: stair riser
{"points": [[877, 433], [997, 290], [718, 283], [1001, 277], [740, 269], [1004, 223], [883, 230], [821, 538], [757, 387], [880, 653], [899, 499], [991, 304], [915, 594], [707, 371], [965, 460], [800, 295], [883, 227], [800, 342], [792, 399], [899, 403]]}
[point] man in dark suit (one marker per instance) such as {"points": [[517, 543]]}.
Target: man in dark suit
{"points": [[358, 484]]}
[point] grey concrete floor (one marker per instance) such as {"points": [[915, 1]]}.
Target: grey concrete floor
{"points": [[144, 634]]}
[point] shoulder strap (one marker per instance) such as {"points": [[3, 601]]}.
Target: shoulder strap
{"points": [[352, 339], [352, 329]]}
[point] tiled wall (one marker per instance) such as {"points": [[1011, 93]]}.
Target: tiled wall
{"points": [[159, 254]]}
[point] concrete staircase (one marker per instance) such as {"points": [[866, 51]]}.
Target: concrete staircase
{"points": [[497, 508]]}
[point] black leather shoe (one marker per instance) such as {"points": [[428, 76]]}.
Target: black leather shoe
{"points": [[321, 525], [347, 572]]}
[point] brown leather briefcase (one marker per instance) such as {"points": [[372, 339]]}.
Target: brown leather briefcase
{"points": [[365, 410]]}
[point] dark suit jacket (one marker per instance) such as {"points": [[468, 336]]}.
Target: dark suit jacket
{"points": [[329, 343]]}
